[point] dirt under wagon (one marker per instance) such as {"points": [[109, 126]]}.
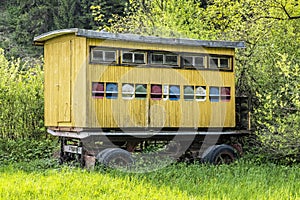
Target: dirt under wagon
{"points": [[108, 95]]}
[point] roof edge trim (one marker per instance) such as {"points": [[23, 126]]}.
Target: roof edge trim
{"points": [[52, 34], [39, 40]]}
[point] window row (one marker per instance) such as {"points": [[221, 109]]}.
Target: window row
{"points": [[185, 60], [158, 91]]}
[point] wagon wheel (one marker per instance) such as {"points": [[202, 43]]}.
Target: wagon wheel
{"points": [[221, 154], [101, 155], [115, 158]]}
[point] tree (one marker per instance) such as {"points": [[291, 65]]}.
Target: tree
{"points": [[21, 20], [160, 17], [24, 20]]}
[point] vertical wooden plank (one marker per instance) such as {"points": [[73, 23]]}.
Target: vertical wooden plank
{"points": [[79, 83], [50, 70]]}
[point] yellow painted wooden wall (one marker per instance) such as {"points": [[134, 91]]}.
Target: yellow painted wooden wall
{"points": [[65, 81], [159, 113], [68, 89]]}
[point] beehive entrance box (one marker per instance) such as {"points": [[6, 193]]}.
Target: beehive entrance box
{"points": [[110, 81]]}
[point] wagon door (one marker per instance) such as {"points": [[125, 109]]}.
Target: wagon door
{"points": [[64, 82]]}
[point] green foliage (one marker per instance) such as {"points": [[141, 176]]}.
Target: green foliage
{"points": [[27, 150], [162, 18], [20, 21], [21, 99], [22, 131], [103, 11], [278, 111], [238, 181], [64, 17]]}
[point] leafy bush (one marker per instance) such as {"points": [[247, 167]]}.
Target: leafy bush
{"points": [[22, 132], [26, 150], [277, 113], [21, 99]]}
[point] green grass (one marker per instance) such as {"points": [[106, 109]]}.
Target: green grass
{"points": [[237, 181]]}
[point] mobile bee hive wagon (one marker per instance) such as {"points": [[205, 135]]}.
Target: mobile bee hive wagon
{"points": [[107, 95]]}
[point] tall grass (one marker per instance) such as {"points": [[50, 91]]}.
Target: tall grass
{"points": [[238, 181]]}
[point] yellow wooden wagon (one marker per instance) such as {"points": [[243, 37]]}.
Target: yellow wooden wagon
{"points": [[123, 89]]}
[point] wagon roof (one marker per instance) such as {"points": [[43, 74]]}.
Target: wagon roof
{"points": [[39, 40]]}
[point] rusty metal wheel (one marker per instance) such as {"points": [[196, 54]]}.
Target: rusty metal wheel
{"points": [[220, 154], [115, 158]]}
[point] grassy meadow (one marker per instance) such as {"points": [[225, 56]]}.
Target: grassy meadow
{"points": [[180, 181]]}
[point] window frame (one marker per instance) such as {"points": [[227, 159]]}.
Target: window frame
{"points": [[221, 96], [193, 64], [218, 64], [104, 50], [133, 61], [164, 63]]}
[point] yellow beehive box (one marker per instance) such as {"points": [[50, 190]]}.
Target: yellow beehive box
{"points": [[105, 80]]}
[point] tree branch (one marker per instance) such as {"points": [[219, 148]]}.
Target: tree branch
{"points": [[279, 18], [282, 7]]}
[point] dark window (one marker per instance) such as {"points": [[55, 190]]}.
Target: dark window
{"points": [[133, 57], [164, 59], [127, 58], [157, 58], [171, 59], [199, 61], [139, 58], [193, 61], [219, 62], [213, 62], [188, 61], [224, 63]]}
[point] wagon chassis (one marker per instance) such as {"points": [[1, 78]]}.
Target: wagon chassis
{"points": [[182, 146]]}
